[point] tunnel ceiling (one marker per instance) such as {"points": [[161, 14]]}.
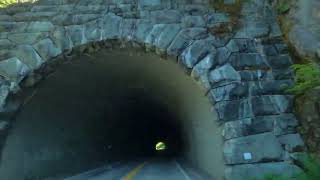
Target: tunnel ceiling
{"points": [[244, 71]]}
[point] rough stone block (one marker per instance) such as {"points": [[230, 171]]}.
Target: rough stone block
{"points": [[253, 29], [242, 61], [33, 16], [149, 4], [165, 16], [154, 33], [47, 49], [292, 142], [180, 42], [272, 104], [111, 26], [233, 110], [213, 18], [284, 73], [261, 147], [255, 75], [26, 38], [165, 38], [195, 33], [193, 21], [196, 9], [126, 28], [280, 62], [93, 30], [278, 124], [282, 48], [270, 87], [86, 9], [222, 56], [6, 44], [270, 50], [220, 41], [143, 28], [242, 45], [237, 90], [83, 18], [197, 51], [13, 69], [13, 26], [5, 17], [204, 65], [39, 26], [28, 55], [232, 91], [77, 34], [61, 38], [43, 8], [225, 73]]}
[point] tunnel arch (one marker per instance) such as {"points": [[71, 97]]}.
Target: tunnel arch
{"points": [[242, 73], [147, 106]]}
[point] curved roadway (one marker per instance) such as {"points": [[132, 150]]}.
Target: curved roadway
{"points": [[154, 169]]}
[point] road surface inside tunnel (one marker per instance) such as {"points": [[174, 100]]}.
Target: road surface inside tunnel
{"points": [[108, 107]]}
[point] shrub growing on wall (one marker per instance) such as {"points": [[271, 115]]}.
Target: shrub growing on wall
{"points": [[311, 169], [307, 77]]}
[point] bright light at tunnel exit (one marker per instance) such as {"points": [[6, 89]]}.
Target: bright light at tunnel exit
{"points": [[160, 146]]}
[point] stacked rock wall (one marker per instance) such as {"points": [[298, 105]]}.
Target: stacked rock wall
{"points": [[245, 73]]}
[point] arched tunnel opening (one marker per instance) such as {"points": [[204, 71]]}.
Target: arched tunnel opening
{"points": [[107, 107], [139, 122]]}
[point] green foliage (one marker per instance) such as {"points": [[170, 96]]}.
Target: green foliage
{"points": [[283, 6], [5, 3], [307, 77], [311, 170], [274, 177]]}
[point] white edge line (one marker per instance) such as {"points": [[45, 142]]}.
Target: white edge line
{"points": [[87, 174], [182, 171]]}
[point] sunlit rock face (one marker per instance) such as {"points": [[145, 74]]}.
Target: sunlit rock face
{"points": [[302, 19], [305, 34], [244, 72]]}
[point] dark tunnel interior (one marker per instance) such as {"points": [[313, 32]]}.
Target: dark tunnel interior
{"points": [[108, 107], [139, 122]]}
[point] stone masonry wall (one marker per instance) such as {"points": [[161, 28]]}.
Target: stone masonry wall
{"points": [[245, 72]]}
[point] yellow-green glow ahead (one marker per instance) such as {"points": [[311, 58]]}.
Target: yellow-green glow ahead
{"points": [[161, 146], [5, 3]]}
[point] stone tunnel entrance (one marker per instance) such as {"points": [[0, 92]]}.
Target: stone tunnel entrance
{"points": [[112, 106]]}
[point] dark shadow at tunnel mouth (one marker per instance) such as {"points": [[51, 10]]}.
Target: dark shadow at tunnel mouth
{"points": [[136, 121]]}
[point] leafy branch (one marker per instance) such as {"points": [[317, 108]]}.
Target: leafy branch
{"points": [[307, 77]]}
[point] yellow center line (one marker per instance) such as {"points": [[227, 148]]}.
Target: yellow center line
{"points": [[134, 171]]}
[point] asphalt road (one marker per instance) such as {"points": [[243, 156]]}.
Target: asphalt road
{"points": [[155, 169]]}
